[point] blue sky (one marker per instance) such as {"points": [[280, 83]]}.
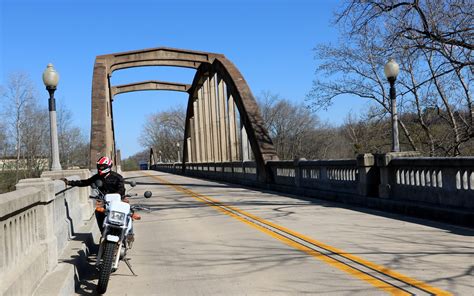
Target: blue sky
{"points": [[270, 41]]}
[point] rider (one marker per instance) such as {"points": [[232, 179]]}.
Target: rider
{"points": [[112, 182]]}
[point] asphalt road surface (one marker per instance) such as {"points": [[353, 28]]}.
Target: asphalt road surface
{"points": [[208, 238]]}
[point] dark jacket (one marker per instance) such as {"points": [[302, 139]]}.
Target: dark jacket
{"points": [[112, 183]]}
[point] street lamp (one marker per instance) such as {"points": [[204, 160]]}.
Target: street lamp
{"points": [[391, 70], [177, 145], [51, 79]]}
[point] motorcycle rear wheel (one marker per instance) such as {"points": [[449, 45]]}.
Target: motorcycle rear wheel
{"points": [[106, 266]]}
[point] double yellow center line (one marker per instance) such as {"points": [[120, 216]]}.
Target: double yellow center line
{"points": [[379, 276]]}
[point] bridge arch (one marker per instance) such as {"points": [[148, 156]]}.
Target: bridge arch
{"points": [[222, 119]]}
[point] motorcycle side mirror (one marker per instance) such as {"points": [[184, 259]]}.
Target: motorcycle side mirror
{"points": [[133, 183], [147, 194], [99, 183]]}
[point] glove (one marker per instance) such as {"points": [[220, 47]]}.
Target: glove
{"points": [[99, 206], [65, 181]]}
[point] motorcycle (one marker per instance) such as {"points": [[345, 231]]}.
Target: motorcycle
{"points": [[117, 232]]}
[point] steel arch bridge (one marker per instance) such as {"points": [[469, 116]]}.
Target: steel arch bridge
{"points": [[223, 122]]}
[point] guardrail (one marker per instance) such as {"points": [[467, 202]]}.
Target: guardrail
{"points": [[36, 222], [437, 188]]}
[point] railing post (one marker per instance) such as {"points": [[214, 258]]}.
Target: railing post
{"points": [[298, 173], [386, 174], [368, 175], [324, 174]]}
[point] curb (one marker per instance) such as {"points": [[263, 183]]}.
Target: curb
{"points": [[73, 263]]}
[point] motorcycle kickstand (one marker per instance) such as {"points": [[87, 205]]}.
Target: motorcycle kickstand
{"points": [[126, 260]]}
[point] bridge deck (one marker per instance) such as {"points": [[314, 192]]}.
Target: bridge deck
{"points": [[208, 238]]}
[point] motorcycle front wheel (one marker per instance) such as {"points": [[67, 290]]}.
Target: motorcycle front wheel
{"points": [[106, 266]]}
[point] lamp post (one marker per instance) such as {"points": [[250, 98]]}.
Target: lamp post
{"points": [[391, 70], [51, 79], [179, 158]]}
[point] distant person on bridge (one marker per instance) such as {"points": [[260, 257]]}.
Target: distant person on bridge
{"points": [[112, 182]]}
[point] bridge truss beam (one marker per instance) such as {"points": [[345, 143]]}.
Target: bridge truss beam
{"points": [[149, 85]]}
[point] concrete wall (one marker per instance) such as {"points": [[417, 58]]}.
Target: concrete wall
{"points": [[36, 222], [441, 189]]}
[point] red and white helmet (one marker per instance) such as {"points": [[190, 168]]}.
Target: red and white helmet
{"points": [[104, 165]]}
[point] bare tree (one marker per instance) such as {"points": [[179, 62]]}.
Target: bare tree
{"points": [[4, 145], [72, 141], [131, 163], [24, 133], [163, 130], [35, 144], [18, 95], [368, 134], [356, 70], [445, 26], [432, 40], [295, 131]]}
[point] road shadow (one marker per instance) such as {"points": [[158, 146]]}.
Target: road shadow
{"points": [[240, 259], [316, 200], [84, 262], [86, 275]]}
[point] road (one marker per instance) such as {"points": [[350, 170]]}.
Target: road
{"points": [[209, 238]]}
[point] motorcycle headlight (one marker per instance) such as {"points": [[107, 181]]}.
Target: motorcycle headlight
{"points": [[117, 217]]}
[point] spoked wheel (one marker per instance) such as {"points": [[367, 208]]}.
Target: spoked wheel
{"points": [[106, 266]]}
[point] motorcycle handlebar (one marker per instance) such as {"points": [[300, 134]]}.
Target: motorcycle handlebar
{"points": [[130, 195]]}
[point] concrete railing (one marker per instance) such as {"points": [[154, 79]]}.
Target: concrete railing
{"points": [[436, 188], [348, 176], [36, 222], [240, 172], [340, 175], [434, 180]]}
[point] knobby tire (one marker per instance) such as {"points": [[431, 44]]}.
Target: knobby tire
{"points": [[106, 269]]}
